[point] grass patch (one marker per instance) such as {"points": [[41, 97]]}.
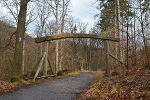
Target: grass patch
{"points": [[91, 96], [124, 87], [1, 87], [118, 88], [95, 91], [145, 94], [127, 76]]}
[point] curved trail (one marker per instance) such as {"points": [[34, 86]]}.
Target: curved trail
{"points": [[59, 89]]}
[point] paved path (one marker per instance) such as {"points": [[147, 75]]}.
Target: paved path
{"points": [[59, 89]]}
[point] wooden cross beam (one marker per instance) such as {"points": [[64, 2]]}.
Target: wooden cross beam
{"points": [[75, 35]]}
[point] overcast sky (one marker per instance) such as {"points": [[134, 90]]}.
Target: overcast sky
{"points": [[84, 10]]}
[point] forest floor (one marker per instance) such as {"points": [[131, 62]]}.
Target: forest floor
{"points": [[133, 84]]}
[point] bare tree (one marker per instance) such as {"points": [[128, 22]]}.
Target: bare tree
{"points": [[55, 9], [65, 4]]}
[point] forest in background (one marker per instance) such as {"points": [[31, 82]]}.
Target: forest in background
{"points": [[127, 19]]}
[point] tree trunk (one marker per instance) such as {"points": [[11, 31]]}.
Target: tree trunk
{"points": [[127, 44], [119, 33], [57, 53], [116, 47], [134, 42], [144, 39], [17, 63], [62, 28], [123, 55], [23, 56]]}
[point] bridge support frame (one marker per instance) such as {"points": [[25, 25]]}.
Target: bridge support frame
{"points": [[78, 35]]}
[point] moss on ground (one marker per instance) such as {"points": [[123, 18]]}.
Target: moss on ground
{"points": [[14, 79]]}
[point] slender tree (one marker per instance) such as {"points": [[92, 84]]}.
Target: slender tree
{"points": [[55, 9], [65, 5]]}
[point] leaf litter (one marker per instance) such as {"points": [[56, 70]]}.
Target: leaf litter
{"points": [[133, 84]]}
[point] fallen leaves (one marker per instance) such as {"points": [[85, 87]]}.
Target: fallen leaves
{"points": [[129, 85], [6, 87]]}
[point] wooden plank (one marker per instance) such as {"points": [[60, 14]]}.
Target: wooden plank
{"points": [[75, 35], [51, 75], [44, 76], [40, 77]]}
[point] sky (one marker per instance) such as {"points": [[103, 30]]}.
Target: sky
{"points": [[83, 10]]}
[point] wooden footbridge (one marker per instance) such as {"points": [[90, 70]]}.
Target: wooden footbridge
{"points": [[73, 35]]}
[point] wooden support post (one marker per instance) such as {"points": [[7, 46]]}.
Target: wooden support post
{"points": [[40, 66], [46, 63], [107, 58]]}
